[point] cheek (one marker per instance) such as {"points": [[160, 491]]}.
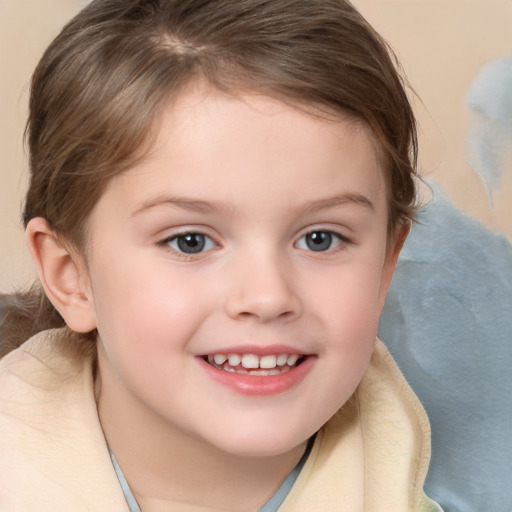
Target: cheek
{"points": [[349, 314], [350, 299], [141, 305]]}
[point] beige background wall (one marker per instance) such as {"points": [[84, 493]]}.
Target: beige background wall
{"points": [[26, 28], [443, 44]]}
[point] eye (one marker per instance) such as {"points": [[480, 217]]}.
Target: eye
{"points": [[190, 243], [320, 241]]}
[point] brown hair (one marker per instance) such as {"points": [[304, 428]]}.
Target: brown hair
{"points": [[100, 84]]}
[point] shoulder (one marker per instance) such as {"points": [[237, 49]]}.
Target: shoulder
{"points": [[373, 454], [36, 383], [53, 453], [47, 358]]}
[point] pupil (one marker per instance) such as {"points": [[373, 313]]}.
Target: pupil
{"points": [[319, 241], [191, 243]]}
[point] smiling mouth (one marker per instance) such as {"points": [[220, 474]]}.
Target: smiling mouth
{"points": [[251, 364]]}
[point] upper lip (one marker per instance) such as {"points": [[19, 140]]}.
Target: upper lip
{"points": [[257, 350]]}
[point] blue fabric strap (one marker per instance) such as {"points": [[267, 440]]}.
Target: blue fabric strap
{"points": [[277, 499], [271, 505], [132, 503]]}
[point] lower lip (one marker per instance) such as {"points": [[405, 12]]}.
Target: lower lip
{"points": [[261, 385]]}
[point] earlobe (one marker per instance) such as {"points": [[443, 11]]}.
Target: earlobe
{"points": [[62, 276], [395, 245]]}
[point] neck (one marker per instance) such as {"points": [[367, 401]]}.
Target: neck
{"points": [[165, 466]]}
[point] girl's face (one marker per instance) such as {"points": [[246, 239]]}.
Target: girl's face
{"points": [[237, 274]]}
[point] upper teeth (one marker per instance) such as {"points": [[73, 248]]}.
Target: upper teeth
{"points": [[251, 361]]}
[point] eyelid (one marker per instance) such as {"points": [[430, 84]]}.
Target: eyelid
{"points": [[166, 241], [343, 240]]}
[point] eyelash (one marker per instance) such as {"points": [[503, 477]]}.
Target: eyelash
{"points": [[328, 236], [207, 244], [323, 238]]}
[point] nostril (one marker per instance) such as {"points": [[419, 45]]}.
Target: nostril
{"points": [[263, 317], [262, 302]]}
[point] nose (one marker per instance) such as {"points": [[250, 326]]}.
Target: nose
{"points": [[262, 288]]}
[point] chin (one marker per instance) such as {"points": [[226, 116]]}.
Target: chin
{"points": [[262, 444]]}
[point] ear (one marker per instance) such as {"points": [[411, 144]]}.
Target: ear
{"points": [[395, 244], [63, 276]]}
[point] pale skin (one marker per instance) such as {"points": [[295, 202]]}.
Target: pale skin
{"points": [[255, 180]]}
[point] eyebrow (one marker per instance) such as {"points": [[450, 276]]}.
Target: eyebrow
{"points": [[208, 207], [188, 203], [338, 200]]}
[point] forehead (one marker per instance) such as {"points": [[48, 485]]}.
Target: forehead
{"points": [[247, 148]]}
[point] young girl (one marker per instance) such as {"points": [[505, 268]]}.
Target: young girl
{"points": [[219, 193]]}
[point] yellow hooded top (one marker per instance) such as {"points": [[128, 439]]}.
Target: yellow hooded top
{"points": [[372, 456]]}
